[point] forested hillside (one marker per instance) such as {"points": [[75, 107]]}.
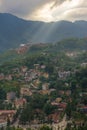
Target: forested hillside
{"points": [[15, 31]]}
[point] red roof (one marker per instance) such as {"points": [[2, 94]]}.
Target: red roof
{"points": [[7, 111], [62, 105], [84, 107]]}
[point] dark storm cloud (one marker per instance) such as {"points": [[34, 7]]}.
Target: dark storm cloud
{"points": [[28, 8]]}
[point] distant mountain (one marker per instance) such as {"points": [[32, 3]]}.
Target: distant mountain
{"points": [[15, 31]]}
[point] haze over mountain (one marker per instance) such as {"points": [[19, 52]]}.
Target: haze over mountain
{"points": [[15, 31]]}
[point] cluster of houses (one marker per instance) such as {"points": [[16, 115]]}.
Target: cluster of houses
{"points": [[16, 102], [26, 74], [31, 79], [23, 48], [84, 64], [5, 77], [8, 115]]}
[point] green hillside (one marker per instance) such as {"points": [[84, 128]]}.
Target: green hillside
{"points": [[15, 31]]}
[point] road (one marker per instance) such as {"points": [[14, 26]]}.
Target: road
{"points": [[61, 125]]}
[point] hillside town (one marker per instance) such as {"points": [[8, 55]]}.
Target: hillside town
{"points": [[49, 102]]}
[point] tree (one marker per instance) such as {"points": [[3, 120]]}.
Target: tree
{"points": [[68, 110], [2, 94], [26, 114], [48, 108], [45, 128], [8, 122]]}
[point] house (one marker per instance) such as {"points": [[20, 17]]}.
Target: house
{"points": [[45, 75], [11, 96], [61, 92], [8, 77], [54, 103], [45, 86], [22, 49], [27, 78], [52, 90], [5, 114], [62, 106], [84, 65], [58, 100], [71, 54], [24, 69], [37, 66], [25, 91], [2, 76], [78, 123], [54, 117], [63, 74], [3, 123], [20, 102], [83, 109], [68, 92], [33, 75], [43, 66], [15, 70], [44, 92], [36, 82]]}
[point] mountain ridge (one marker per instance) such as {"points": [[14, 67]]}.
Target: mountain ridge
{"points": [[15, 31]]}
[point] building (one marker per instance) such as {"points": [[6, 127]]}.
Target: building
{"points": [[2, 76], [63, 74], [11, 96], [5, 114], [45, 86], [24, 69], [84, 65], [25, 91], [58, 100], [3, 123], [19, 103]]}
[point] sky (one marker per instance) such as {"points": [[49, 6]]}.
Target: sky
{"points": [[46, 10]]}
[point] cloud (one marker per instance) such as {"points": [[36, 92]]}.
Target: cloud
{"points": [[22, 7], [76, 12], [58, 2], [73, 14], [45, 10]]}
